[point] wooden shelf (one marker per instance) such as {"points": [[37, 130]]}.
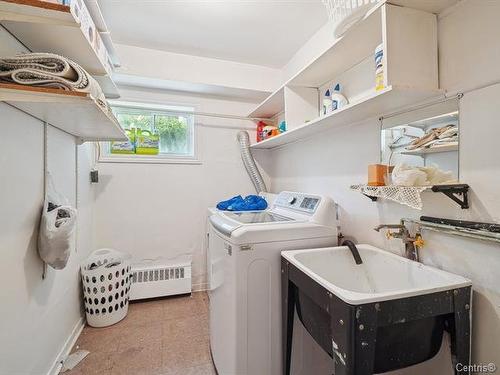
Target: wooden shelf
{"points": [[387, 100], [432, 150], [36, 11], [76, 113], [49, 27]]}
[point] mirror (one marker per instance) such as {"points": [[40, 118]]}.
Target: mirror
{"points": [[425, 137]]}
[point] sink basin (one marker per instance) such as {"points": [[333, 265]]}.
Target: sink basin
{"points": [[384, 314], [382, 276]]}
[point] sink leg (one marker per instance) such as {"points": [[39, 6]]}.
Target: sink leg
{"points": [[459, 327], [354, 336], [365, 328], [287, 311]]}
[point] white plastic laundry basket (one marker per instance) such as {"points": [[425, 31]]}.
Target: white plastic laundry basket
{"points": [[106, 285]]}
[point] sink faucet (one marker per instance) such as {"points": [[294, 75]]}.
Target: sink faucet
{"points": [[411, 243], [354, 251]]}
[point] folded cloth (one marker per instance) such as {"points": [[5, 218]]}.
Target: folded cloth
{"points": [[250, 203], [50, 70], [441, 142], [431, 135], [451, 132]]}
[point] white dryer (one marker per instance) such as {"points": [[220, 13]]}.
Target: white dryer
{"points": [[244, 275]]}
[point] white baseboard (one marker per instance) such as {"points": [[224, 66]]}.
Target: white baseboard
{"points": [[66, 349], [199, 287]]}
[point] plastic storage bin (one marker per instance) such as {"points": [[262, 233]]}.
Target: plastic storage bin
{"points": [[106, 283]]}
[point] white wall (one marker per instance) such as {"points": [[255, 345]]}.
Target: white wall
{"points": [[314, 47], [37, 316], [330, 162], [163, 65], [160, 210]]}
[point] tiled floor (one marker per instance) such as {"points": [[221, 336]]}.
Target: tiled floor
{"points": [[159, 337]]}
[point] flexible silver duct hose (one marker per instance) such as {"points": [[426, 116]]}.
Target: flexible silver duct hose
{"points": [[249, 162]]}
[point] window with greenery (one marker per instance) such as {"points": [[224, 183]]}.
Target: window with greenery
{"points": [[165, 132]]}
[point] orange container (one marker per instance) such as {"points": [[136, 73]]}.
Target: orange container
{"points": [[377, 174]]}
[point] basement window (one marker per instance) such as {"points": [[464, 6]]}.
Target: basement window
{"points": [[157, 134]]}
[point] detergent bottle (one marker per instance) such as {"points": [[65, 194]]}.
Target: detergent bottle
{"points": [[338, 100], [327, 103], [260, 131]]}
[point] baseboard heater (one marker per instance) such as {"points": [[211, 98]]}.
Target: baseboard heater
{"points": [[160, 278]]}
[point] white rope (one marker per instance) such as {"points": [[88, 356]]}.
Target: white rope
{"points": [[45, 178]]}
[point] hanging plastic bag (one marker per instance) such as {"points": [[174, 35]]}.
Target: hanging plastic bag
{"points": [[56, 228]]}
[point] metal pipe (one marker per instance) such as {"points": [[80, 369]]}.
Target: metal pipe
{"points": [[119, 103], [456, 231]]}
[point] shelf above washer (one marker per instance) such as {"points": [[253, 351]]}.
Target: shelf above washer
{"points": [[387, 100]]}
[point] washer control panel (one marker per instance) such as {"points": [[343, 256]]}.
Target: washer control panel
{"points": [[298, 201]]}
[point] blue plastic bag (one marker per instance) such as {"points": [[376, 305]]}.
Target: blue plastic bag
{"points": [[224, 205], [237, 203]]}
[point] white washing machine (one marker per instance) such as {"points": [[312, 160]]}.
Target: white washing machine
{"points": [[245, 278]]}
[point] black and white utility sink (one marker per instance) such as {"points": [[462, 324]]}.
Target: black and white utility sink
{"points": [[384, 314]]}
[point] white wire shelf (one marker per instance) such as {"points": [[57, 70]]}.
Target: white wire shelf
{"points": [[411, 195], [407, 195]]}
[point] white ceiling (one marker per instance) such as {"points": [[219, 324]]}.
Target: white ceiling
{"points": [[261, 32]]}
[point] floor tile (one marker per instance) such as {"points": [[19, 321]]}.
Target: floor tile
{"points": [[94, 364], [198, 370], [182, 307], [175, 330], [99, 340], [186, 354], [167, 336], [144, 336], [137, 361], [143, 313]]}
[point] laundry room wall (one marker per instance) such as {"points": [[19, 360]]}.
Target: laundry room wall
{"points": [[38, 318], [330, 162], [160, 210]]}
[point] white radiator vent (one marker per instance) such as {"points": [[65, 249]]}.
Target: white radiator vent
{"points": [[160, 278], [145, 276]]}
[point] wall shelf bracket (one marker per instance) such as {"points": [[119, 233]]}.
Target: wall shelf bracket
{"points": [[373, 199], [459, 193]]}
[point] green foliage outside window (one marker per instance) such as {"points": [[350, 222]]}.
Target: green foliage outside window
{"points": [[175, 131], [173, 134]]}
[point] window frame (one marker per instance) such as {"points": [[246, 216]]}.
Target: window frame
{"points": [[105, 155]]}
